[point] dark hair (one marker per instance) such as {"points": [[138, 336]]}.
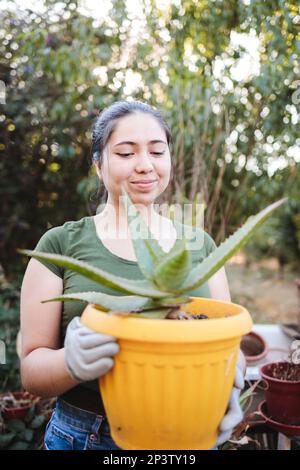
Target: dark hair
{"points": [[107, 121]]}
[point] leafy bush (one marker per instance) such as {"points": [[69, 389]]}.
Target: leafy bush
{"points": [[28, 432], [9, 327], [280, 237]]}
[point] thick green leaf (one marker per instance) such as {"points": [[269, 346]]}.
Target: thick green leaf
{"points": [[6, 439], [147, 250], [20, 445], [172, 301], [120, 284], [37, 422], [126, 303], [228, 248], [154, 314], [29, 415], [26, 435], [16, 425], [174, 268]]}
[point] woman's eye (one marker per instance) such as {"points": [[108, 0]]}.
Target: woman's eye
{"points": [[127, 154]]}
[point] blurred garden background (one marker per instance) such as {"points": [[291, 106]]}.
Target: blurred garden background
{"points": [[226, 76]]}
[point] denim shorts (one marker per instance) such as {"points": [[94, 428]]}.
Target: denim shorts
{"points": [[71, 428]]}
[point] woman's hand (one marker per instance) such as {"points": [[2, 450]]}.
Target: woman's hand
{"points": [[234, 414], [88, 355]]}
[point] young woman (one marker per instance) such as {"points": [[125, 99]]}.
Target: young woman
{"points": [[62, 358]]}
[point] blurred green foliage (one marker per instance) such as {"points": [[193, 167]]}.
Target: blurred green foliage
{"points": [[280, 239], [26, 432], [9, 327], [235, 138], [62, 66]]}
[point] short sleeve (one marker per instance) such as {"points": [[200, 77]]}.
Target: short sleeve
{"points": [[210, 245], [52, 242]]}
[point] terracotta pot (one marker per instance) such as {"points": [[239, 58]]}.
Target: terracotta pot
{"points": [[171, 381], [287, 429], [282, 396], [254, 347], [18, 412]]}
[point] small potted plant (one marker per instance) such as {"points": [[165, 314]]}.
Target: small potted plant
{"points": [[23, 418], [15, 405], [283, 387], [243, 437], [171, 382], [254, 347]]}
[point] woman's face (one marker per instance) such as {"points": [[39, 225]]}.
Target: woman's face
{"points": [[145, 159]]}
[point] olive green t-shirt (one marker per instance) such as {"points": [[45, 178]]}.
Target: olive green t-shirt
{"points": [[79, 239]]}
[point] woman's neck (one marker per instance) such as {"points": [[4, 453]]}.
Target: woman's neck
{"points": [[115, 215]]}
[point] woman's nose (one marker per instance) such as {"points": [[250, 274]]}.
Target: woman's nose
{"points": [[144, 163]]}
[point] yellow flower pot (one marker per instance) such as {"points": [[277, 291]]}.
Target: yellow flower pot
{"points": [[171, 382]]}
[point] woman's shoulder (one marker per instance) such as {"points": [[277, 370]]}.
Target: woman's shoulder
{"points": [[57, 236], [57, 240], [76, 225]]}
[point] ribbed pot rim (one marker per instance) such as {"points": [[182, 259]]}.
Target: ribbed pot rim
{"points": [[231, 321], [269, 378]]}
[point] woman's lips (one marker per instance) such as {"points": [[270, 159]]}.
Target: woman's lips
{"points": [[147, 185]]}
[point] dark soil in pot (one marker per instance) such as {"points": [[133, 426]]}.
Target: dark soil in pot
{"points": [[285, 371], [181, 315], [254, 347], [282, 391]]}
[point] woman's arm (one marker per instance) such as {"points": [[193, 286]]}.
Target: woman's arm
{"points": [[218, 285], [43, 367]]}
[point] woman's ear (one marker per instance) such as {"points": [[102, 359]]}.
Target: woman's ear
{"points": [[98, 171]]}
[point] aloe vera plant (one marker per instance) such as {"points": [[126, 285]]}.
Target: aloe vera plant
{"points": [[168, 276]]}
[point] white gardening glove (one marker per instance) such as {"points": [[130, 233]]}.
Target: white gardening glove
{"points": [[88, 355], [234, 414]]}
